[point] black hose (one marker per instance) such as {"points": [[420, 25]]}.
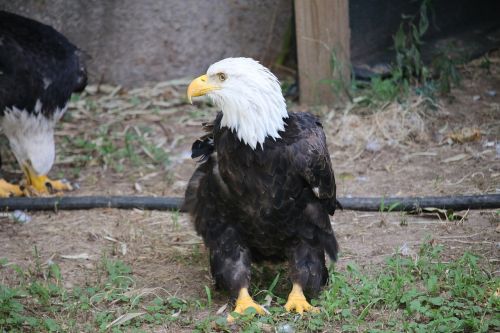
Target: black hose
{"points": [[90, 202], [406, 204], [456, 203]]}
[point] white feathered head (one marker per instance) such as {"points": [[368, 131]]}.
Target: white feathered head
{"points": [[249, 96]]}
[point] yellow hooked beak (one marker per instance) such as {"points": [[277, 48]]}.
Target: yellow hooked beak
{"points": [[199, 87]]}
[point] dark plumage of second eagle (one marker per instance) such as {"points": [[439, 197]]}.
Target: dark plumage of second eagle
{"points": [[269, 203]]}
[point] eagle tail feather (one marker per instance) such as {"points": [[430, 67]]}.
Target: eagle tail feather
{"points": [[338, 205], [330, 244]]}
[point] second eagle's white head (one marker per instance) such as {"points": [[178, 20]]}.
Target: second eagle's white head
{"points": [[249, 96]]}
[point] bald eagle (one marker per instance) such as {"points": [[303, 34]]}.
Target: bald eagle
{"points": [[39, 69], [265, 188]]}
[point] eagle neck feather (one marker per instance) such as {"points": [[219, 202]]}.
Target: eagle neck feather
{"points": [[254, 119]]}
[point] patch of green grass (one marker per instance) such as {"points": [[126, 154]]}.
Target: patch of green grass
{"points": [[408, 294], [39, 302], [175, 220], [112, 148], [409, 72], [386, 89], [422, 293]]}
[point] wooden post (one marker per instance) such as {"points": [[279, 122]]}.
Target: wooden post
{"points": [[323, 48]]}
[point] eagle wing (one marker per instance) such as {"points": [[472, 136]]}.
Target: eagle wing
{"points": [[312, 161], [37, 63], [204, 146]]}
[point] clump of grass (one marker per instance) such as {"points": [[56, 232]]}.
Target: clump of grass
{"points": [[408, 294], [40, 303], [420, 293], [113, 149], [409, 71]]}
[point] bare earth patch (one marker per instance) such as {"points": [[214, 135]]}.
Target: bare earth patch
{"points": [[137, 142]]}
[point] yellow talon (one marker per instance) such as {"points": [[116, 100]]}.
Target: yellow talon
{"points": [[41, 184], [297, 301], [9, 190], [243, 302]]}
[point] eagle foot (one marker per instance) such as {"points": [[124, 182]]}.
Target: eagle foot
{"points": [[244, 302], [9, 190], [43, 185], [297, 301], [58, 185]]}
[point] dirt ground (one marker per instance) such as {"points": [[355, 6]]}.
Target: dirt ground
{"points": [[398, 150]]}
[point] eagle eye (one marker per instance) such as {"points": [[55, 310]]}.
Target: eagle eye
{"points": [[222, 77]]}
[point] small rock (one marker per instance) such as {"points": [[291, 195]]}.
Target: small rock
{"points": [[476, 98], [488, 144], [362, 179], [266, 328], [405, 250], [491, 93], [123, 248], [373, 146], [285, 328], [20, 217]]}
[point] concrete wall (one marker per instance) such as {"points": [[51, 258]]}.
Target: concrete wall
{"points": [[131, 42]]}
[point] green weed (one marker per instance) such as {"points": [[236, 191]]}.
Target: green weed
{"points": [[421, 293], [408, 294], [409, 72], [39, 303], [111, 148]]}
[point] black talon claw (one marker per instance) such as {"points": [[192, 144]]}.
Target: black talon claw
{"points": [[49, 187]]}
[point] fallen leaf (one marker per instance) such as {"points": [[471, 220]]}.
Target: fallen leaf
{"points": [[123, 248], [267, 301], [124, 318], [455, 158], [445, 214], [111, 239], [221, 309], [346, 176], [465, 135], [84, 256]]}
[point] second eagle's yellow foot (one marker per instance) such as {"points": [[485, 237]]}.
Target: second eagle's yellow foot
{"points": [[58, 185], [40, 185], [243, 302], [9, 190], [297, 301]]}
